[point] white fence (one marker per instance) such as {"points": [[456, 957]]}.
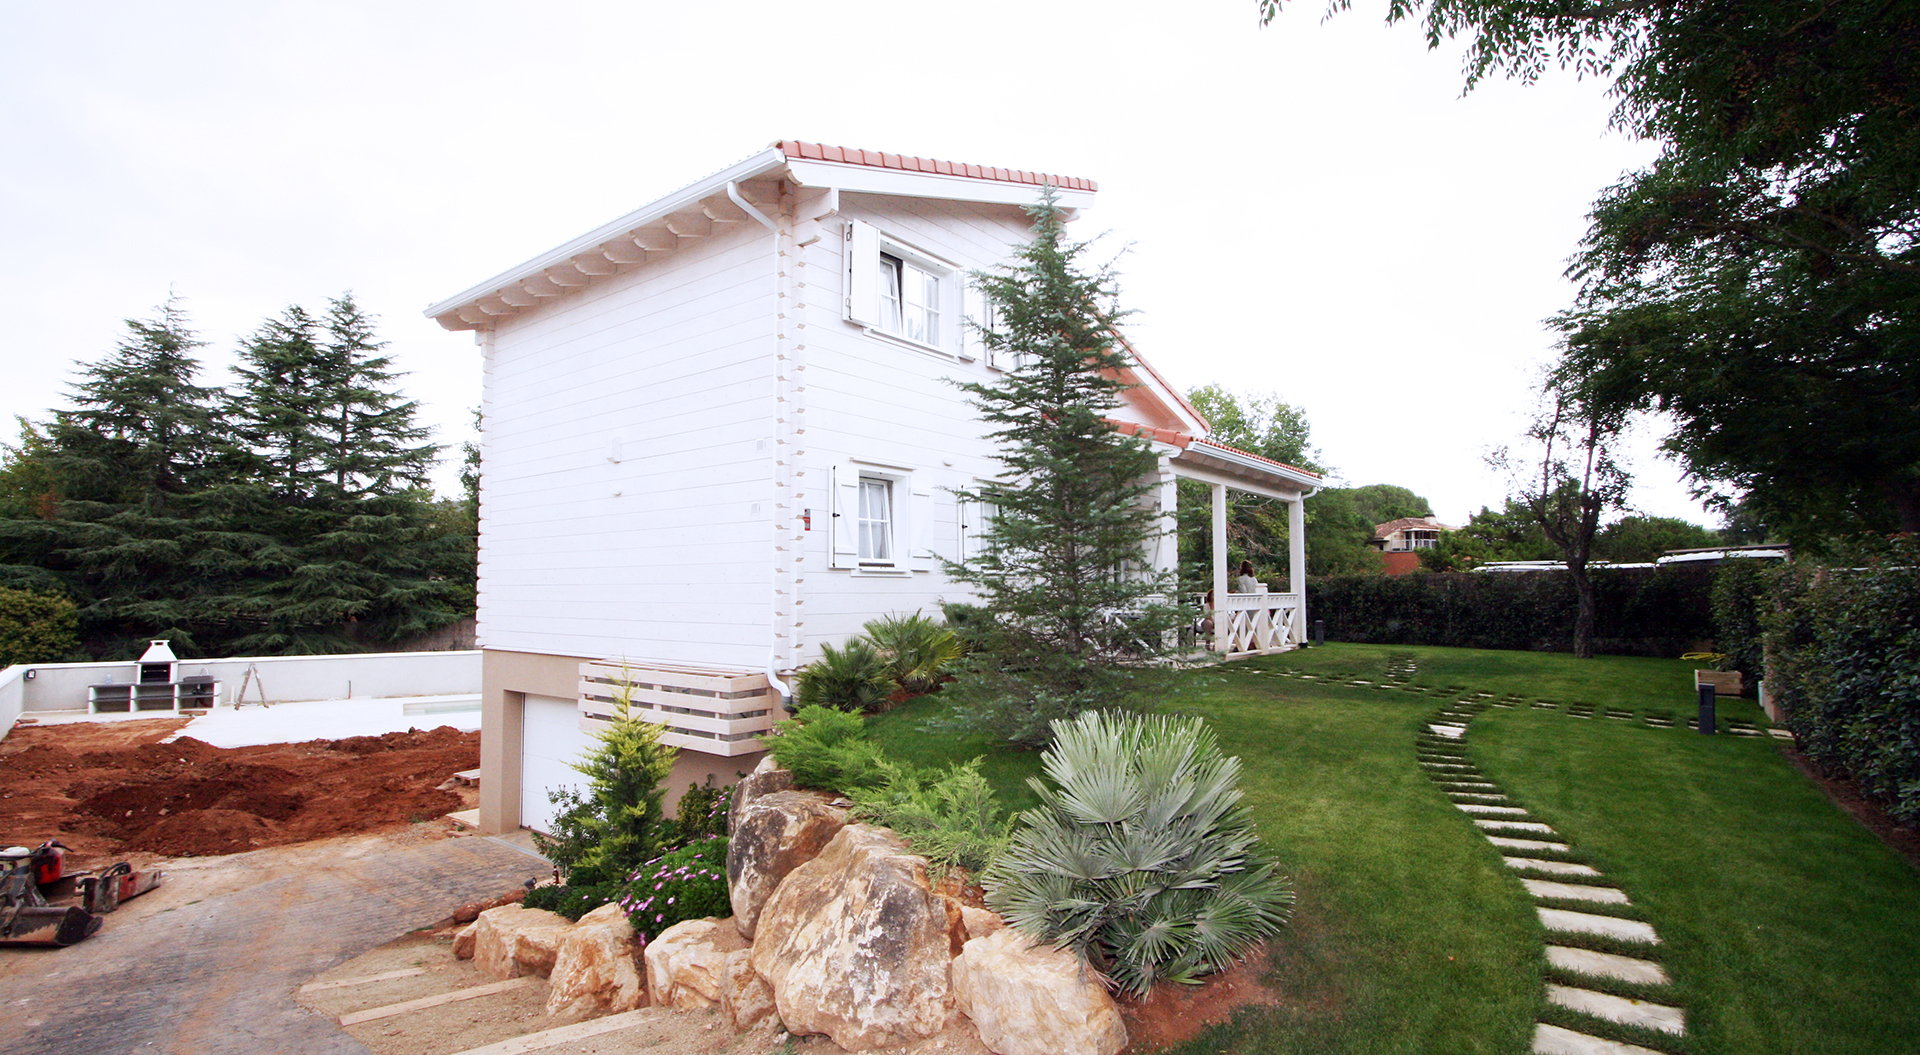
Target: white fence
{"points": [[31, 688]]}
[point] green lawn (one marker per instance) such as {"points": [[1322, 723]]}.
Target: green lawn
{"points": [[1787, 927]]}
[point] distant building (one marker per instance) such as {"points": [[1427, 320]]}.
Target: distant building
{"points": [[1400, 541]]}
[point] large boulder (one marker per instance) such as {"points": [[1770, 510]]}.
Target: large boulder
{"points": [[775, 833], [511, 941], [855, 944], [1031, 999], [745, 997], [597, 970], [766, 778], [686, 964]]}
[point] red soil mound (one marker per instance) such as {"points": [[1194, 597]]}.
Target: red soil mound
{"points": [[103, 793]]}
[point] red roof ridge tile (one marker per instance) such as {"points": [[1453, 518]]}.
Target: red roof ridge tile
{"points": [[795, 148]]}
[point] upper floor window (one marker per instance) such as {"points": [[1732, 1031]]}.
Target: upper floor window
{"points": [[910, 300], [895, 289]]}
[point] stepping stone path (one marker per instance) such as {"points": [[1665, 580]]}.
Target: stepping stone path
{"points": [[1542, 859]]}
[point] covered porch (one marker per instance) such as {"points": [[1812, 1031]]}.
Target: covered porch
{"points": [[1241, 624]]}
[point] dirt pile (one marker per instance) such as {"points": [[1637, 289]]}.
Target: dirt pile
{"points": [[107, 790]]}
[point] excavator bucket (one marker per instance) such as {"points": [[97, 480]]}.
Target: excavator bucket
{"points": [[46, 925]]}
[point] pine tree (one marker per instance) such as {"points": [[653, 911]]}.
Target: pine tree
{"points": [[348, 547], [1062, 569], [115, 522]]}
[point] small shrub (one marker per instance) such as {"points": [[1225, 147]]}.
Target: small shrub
{"points": [[852, 678], [918, 651], [600, 836], [573, 901], [703, 812], [828, 750], [1139, 857], [687, 883], [949, 817]]}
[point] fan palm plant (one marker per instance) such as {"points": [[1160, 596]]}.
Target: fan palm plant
{"points": [[918, 650], [852, 678], [1139, 857]]}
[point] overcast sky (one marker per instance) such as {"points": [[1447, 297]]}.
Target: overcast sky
{"points": [[1312, 209]]}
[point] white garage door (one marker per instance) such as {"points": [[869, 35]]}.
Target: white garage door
{"points": [[550, 742]]}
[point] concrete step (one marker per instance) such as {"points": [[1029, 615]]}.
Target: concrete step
{"points": [[469, 819], [1607, 965], [1530, 845], [1563, 868], [1570, 922], [1545, 888], [1552, 1040], [1514, 826], [1619, 1009], [1489, 811]]}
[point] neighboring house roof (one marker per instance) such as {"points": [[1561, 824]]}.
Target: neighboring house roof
{"points": [[727, 197], [1404, 523]]}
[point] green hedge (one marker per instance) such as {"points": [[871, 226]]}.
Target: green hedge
{"points": [[1843, 650], [1640, 611]]}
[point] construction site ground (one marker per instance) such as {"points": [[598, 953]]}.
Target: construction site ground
{"points": [[308, 907]]}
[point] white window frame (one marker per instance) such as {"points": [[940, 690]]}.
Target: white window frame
{"points": [[910, 517], [871, 256]]}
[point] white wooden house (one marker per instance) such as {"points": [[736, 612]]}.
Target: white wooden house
{"points": [[722, 430]]}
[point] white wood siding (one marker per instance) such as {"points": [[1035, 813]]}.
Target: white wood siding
{"points": [[661, 555], [875, 400]]}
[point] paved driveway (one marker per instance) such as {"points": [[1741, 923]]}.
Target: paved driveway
{"points": [[207, 964]]}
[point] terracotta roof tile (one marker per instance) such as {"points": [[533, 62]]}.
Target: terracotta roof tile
{"points": [[1211, 442], [795, 148]]}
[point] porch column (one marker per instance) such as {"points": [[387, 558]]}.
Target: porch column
{"points": [[1219, 561], [1166, 550], [1297, 566]]}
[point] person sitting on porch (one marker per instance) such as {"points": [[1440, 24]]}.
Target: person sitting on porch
{"points": [[1246, 583]]}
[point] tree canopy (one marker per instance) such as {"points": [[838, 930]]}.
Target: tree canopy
{"points": [[1759, 283], [286, 513]]}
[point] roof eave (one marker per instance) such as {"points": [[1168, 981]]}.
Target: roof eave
{"points": [[758, 165]]}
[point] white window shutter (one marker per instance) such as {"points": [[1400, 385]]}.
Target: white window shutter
{"points": [[843, 540], [863, 273], [963, 529], [974, 306], [919, 528]]}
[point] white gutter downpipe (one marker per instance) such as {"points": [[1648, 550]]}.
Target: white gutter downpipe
{"points": [[774, 680]]}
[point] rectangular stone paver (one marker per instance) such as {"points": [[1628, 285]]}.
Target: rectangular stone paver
{"points": [[1565, 868], [1526, 844], [1607, 965], [1453, 731], [1490, 811], [1575, 891], [1477, 796], [1552, 1040], [1515, 826], [1619, 1009], [1561, 919]]}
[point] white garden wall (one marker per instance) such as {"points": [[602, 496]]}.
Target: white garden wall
{"points": [[63, 686]]}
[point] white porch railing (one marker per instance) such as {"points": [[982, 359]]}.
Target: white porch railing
{"points": [[1247, 624]]}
